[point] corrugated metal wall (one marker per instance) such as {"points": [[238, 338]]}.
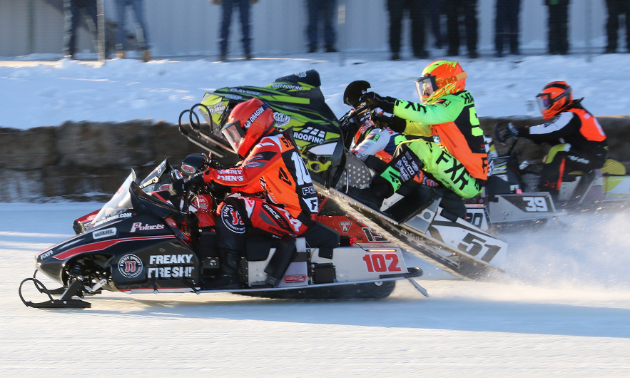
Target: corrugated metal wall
{"points": [[190, 27]]}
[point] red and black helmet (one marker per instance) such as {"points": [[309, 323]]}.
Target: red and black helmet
{"points": [[554, 98], [248, 122]]}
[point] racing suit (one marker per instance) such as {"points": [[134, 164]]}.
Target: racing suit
{"points": [[580, 145], [452, 150], [274, 168]]}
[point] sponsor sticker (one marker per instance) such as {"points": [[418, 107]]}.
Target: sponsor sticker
{"points": [[138, 226], [106, 233], [295, 278], [130, 266], [202, 203], [45, 255], [345, 226], [114, 217], [281, 119], [171, 222], [232, 219]]}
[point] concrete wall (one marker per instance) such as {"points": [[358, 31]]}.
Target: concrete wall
{"points": [[89, 161], [190, 27]]}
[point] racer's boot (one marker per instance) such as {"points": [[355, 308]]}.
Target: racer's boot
{"points": [[373, 196], [229, 277]]}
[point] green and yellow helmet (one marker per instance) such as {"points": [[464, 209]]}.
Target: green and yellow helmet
{"points": [[440, 78]]}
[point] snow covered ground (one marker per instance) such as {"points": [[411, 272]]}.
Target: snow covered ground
{"points": [[51, 93], [564, 315]]}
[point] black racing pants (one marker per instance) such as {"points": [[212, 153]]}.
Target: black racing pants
{"points": [[562, 160]]}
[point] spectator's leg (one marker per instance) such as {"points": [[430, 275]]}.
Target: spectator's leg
{"points": [[470, 14], [121, 37], [563, 38], [329, 11], [141, 26], [313, 24], [417, 16], [500, 26], [513, 19], [626, 12], [245, 27], [90, 15], [70, 27], [434, 13], [452, 26], [553, 30], [612, 25], [396, 11], [226, 19]]}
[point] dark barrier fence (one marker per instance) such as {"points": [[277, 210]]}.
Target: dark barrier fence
{"points": [[88, 161]]}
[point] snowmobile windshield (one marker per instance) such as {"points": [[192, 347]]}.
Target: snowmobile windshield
{"points": [[234, 134], [425, 86], [119, 203]]}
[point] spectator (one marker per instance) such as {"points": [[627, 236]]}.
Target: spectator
{"points": [[396, 10], [615, 9], [325, 9], [558, 25], [454, 9], [434, 11], [141, 30], [71, 9], [506, 25], [226, 19]]}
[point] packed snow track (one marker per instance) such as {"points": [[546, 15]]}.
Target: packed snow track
{"points": [[566, 315]]}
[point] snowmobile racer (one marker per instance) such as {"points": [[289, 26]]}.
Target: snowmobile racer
{"points": [[272, 190], [579, 140], [451, 149]]}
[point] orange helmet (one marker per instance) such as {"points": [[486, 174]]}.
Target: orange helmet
{"points": [[248, 122], [440, 78], [554, 98]]}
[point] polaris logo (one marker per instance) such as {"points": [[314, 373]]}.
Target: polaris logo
{"points": [[147, 227], [104, 233]]}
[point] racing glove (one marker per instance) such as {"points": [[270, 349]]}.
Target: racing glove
{"points": [[395, 123], [506, 132], [374, 100]]}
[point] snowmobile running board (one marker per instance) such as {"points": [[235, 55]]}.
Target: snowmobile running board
{"points": [[453, 261]]}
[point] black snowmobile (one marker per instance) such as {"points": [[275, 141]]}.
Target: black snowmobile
{"points": [[140, 242]]}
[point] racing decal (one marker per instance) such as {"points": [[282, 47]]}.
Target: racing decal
{"points": [[281, 119], [254, 93], [301, 74], [46, 254], [282, 175], [295, 278], [113, 217], [138, 226], [279, 219], [473, 244], [310, 134], [99, 246], [531, 204], [254, 117], [169, 259], [230, 178], [217, 108], [345, 226], [202, 203], [106, 233], [287, 86], [130, 266], [188, 169], [232, 219], [381, 262], [308, 190], [233, 97], [171, 222], [170, 272]]}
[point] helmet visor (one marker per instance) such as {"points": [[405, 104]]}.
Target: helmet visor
{"points": [[544, 101], [426, 86], [234, 134]]}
